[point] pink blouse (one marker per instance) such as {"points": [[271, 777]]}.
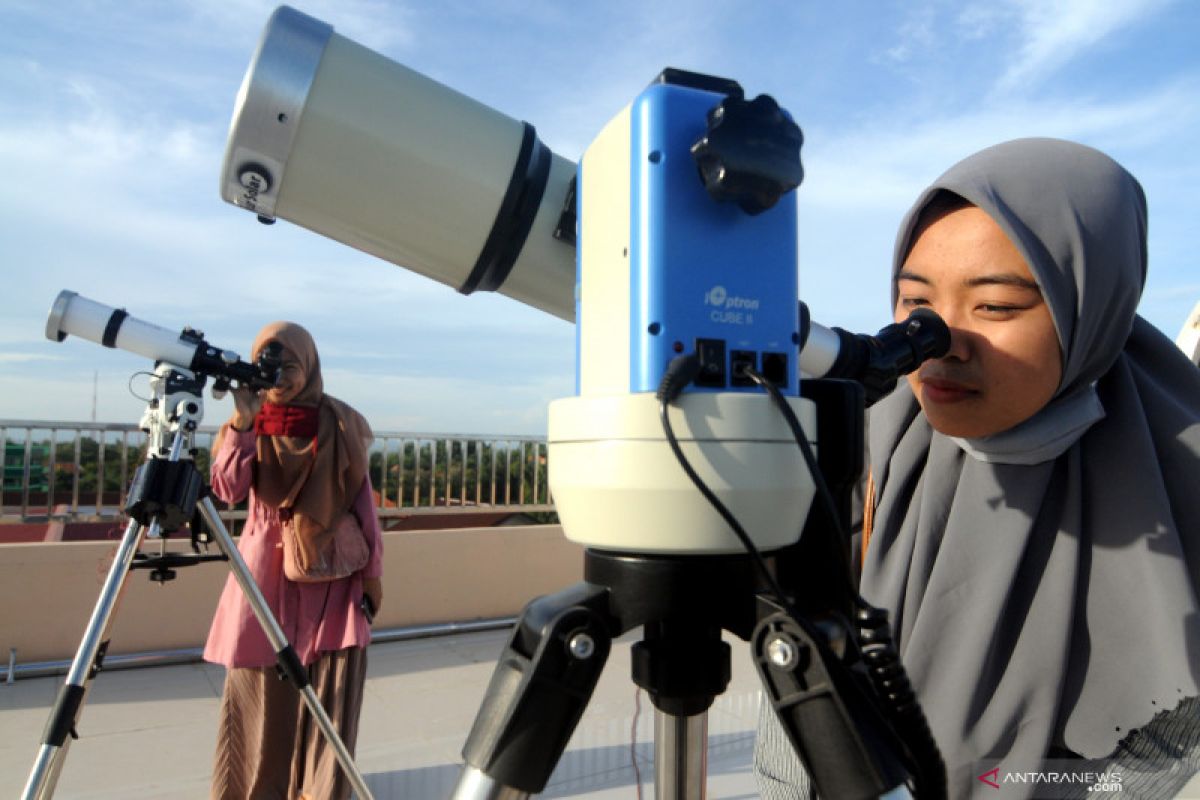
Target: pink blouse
{"points": [[315, 617]]}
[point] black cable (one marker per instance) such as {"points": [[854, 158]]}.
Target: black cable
{"points": [[899, 700], [680, 372], [884, 667], [810, 458], [129, 385], [716, 503]]}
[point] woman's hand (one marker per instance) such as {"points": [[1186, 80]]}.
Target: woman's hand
{"points": [[373, 588], [246, 404]]}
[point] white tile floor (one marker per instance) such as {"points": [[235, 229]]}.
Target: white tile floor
{"points": [[147, 733]]}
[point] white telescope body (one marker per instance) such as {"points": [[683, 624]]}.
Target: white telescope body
{"points": [[340, 140], [72, 315], [351, 145]]}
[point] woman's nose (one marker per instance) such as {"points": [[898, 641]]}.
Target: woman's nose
{"points": [[960, 338]]}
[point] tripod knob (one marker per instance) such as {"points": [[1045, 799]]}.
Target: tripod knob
{"points": [[750, 153], [162, 575]]}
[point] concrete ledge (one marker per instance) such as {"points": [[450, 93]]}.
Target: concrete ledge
{"points": [[48, 590]]}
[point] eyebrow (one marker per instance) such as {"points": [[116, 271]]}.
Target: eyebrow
{"points": [[1000, 279]]}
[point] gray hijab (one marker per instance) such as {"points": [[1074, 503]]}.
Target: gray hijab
{"points": [[1043, 582]]}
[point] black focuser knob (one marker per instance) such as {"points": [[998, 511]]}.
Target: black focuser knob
{"points": [[750, 154]]}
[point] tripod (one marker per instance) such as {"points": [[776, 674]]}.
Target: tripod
{"points": [[167, 491], [821, 653]]}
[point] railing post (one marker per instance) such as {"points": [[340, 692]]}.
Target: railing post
{"points": [[25, 473], [100, 442], [78, 471], [53, 476], [125, 463], [521, 478], [383, 473]]}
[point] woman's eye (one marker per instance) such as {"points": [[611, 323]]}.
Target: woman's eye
{"points": [[997, 311], [912, 302]]}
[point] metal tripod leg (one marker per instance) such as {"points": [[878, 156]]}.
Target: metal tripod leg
{"points": [[289, 662], [680, 756], [60, 728]]}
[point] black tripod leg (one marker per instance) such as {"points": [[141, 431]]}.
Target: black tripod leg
{"points": [[60, 728], [541, 686], [845, 745], [289, 662]]}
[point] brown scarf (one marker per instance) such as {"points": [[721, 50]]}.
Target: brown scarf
{"points": [[314, 479]]}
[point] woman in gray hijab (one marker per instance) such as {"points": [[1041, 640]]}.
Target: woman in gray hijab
{"points": [[1036, 491]]}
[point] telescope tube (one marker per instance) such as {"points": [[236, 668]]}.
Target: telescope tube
{"points": [[340, 140], [114, 327]]}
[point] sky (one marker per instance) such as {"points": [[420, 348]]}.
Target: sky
{"points": [[114, 116]]}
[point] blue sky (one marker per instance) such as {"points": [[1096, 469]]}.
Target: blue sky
{"points": [[113, 119]]}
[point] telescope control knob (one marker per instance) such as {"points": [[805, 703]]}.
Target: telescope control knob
{"points": [[750, 153]]}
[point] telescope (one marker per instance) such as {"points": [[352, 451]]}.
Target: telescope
{"points": [[167, 492], [701, 430], [73, 315], [345, 142]]}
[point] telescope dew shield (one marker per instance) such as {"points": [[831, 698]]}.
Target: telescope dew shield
{"points": [[340, 140]]}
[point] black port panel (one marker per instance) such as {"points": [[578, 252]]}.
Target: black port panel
{"points": [[775, 368], [711, 353], [739, 360]]}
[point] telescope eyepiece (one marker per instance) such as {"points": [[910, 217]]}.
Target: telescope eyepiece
{"points": [[928, 333], [876, 362], [270, 363]]}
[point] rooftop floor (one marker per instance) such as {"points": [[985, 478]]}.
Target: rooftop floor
{"points": [[148, 733]]}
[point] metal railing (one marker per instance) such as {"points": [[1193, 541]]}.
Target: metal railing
{"points": [[82, 470]]}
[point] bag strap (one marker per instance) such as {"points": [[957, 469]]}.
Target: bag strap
{"points": [[868, 517], [289, 502]]}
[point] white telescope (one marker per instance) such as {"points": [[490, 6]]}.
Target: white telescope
{"points": [[338, 139], [73, 315], [341, 140]]}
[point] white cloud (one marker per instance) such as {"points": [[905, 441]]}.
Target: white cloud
{"points": [[1055, 33], [916, 34], [378, 24], [22, 358], [879, 165], [979, 21]]}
